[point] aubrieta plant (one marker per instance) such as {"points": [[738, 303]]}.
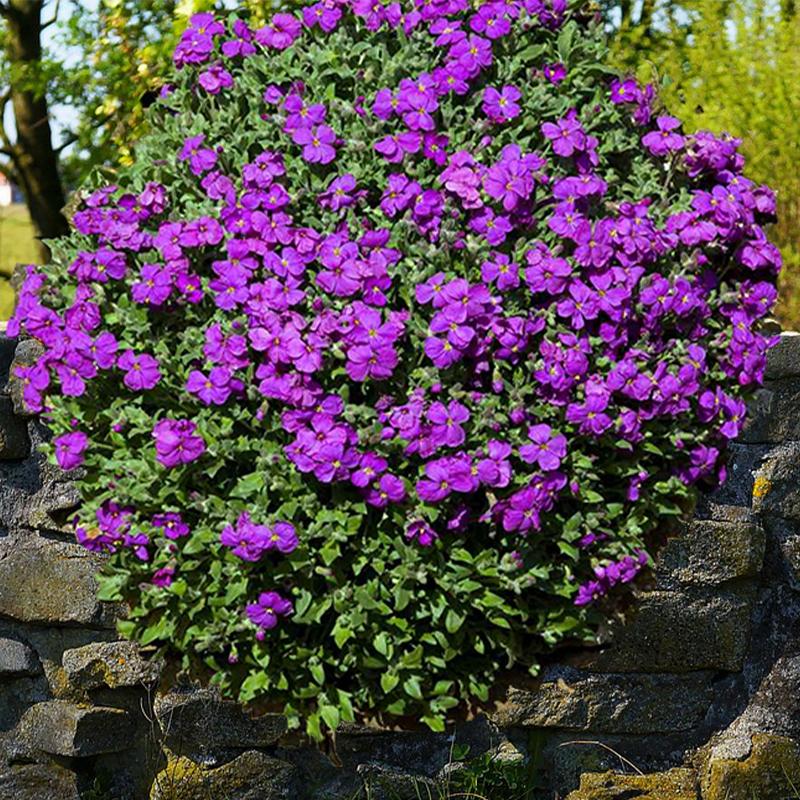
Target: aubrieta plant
{"points": [[408, 326]]}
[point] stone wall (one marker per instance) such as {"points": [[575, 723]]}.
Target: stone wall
{"points": [[696, 695]]}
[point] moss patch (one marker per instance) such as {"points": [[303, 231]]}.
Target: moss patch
{"points": [[770, 772], [674, 784]]}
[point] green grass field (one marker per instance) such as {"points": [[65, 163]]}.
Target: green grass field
{"points": [[17, 245]]}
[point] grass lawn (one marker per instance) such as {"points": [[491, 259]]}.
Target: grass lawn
{"points": [[17, 245]]}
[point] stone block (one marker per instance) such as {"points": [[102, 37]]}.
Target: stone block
{"points": [[26, 353], [46, 581], [737, 491], [61, 728], [770, 772], [783, 564], [14, 440], [773, 416], [111, 664], [7, 347], [783, 360], [572, 699], [674, 784], [776, 487], [200, 723], [251, 776], [38, 782], [682, 632], [710, 552], [17, 659], [386, 783]]}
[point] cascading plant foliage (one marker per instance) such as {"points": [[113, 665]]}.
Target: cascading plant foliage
{"points": [[406, 328]]}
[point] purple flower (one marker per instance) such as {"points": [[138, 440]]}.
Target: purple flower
{"points": [[70, 448], [247, 540], [176, 442], [339, 193], [387, 489], [172, 524], [201, 159], [282, 537], [665, 140], [154, 285], [163, 577], [317, 142], [421, 533], [501, 106], [566, 135], [267, 610], [446, 423], [281, 32], [547, 450], [215, 79], [212, 389], [141, 372], [555, 73], [35, 380]]}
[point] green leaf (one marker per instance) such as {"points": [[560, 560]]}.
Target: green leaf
{"points": [[389, 681]]}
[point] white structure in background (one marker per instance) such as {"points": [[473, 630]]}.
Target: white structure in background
{"points": [[6, 192]]}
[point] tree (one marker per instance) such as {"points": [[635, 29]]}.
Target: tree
{"points": [[33, 160]]}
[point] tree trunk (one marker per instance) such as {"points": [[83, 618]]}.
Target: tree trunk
{"points": [[34, 158]]}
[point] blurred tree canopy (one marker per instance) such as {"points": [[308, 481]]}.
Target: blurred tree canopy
{"points": [[729, 65]]}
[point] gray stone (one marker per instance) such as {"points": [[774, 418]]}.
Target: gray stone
{"points": [[773, 707], [776, 487], [61, 728], [250, 776], [711, 552], [784, 563], [111, 664], [46, 581], [200, 723], [17, 659], [682, 632], [773, 416], [38, 782], [387, 783], [55, 501], [26, 353], [783, 360], [7, 347], [611, 703], [14, 440], [737, 491]]}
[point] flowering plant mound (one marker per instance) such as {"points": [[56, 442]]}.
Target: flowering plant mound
{"points": [[408, 325]]}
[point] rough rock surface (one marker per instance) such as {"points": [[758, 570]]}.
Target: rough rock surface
{"points": [[38, 782], [60, 728], [770, 772], [251, 776], [111, 664], [48, 581], [202, 724], [676, 784], [17, 659], [578, 700]]}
